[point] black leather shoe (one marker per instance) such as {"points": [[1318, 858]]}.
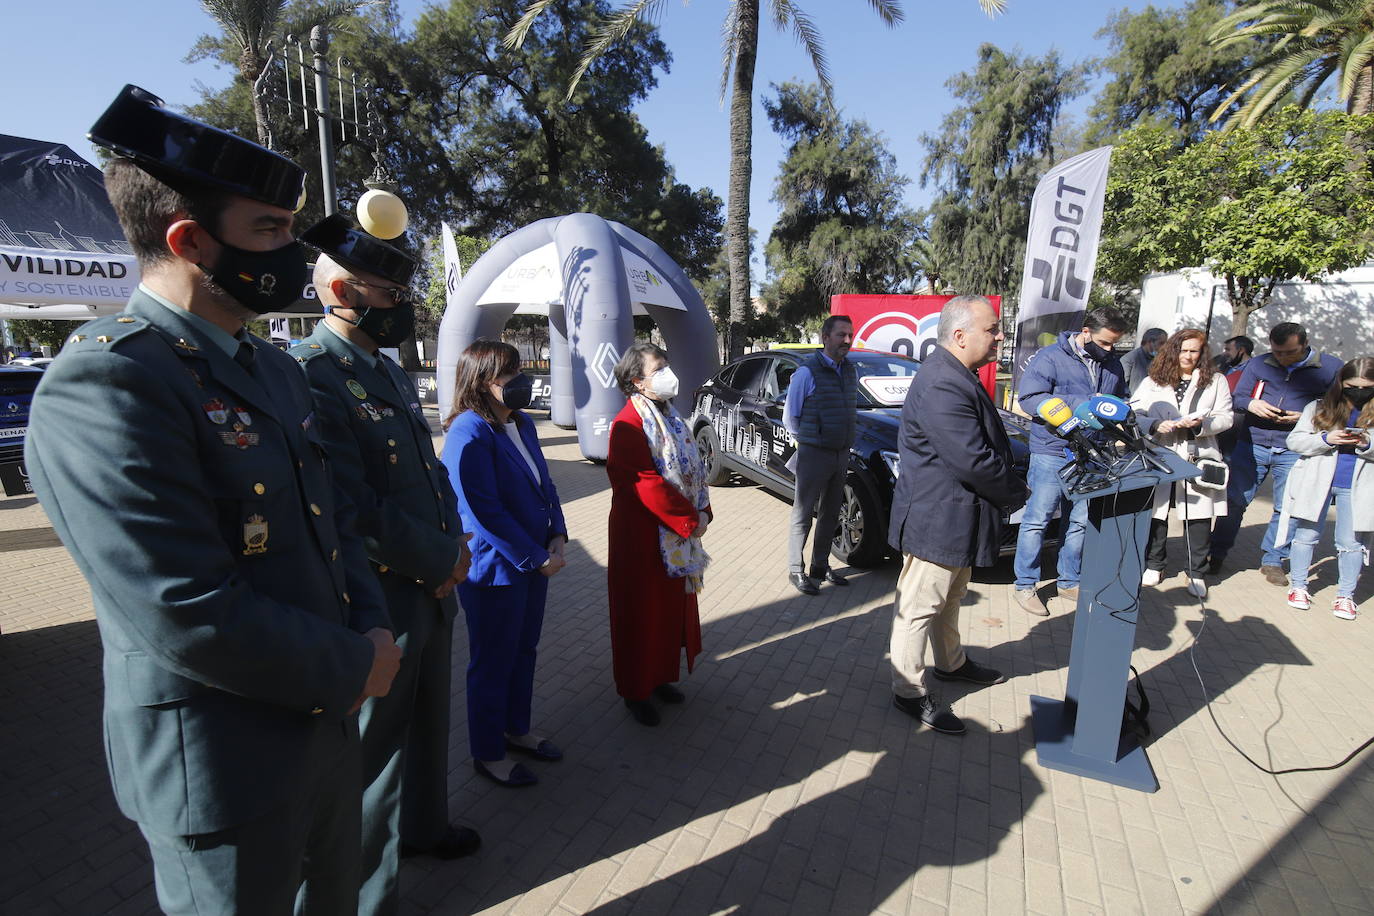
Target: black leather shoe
{"points": [[930, 713], [803, 584], [832, 577], [545, 750], [667, 693], [972, 672], [643, 712], [456, 843], [1214, 565], [519, 776]]}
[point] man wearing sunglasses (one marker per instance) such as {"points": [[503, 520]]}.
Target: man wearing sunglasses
{"points": [[379, 442]]}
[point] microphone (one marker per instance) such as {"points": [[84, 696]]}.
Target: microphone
{"points": [[1117, 420], [1062, 422], [1085, 413]]}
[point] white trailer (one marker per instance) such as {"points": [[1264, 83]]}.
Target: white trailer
{"points": [[1337, 312]]}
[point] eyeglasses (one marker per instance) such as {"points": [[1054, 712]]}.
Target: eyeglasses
{"points": [[400, 295]]}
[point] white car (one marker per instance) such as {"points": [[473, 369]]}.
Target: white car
{"points": [[36, 362]]}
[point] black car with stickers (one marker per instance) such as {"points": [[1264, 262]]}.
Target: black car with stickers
{"points": [[17, 384], [737, 423]]}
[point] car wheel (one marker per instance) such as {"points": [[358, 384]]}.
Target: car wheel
{"points": [[709, 449], [862, 536]]}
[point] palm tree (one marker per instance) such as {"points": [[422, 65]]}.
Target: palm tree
{"points": [[740, 33], [1311, 41], [249, 25]]}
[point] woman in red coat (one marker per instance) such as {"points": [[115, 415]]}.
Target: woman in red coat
{"points": [[659, 511]]}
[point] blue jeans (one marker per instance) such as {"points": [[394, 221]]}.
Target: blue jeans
{"points": [[1350, 547], [1045, 496], [1250, 465]]}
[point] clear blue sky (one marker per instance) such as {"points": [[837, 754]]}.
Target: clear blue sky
{"points": [[65, 61]]}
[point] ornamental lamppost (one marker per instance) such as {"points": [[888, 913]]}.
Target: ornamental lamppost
{"points": [[307, 92]]}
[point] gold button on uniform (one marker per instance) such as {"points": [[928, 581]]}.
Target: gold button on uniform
{"points": [[392, 458], [124, 320], [317, 710], [315, 509], [391, 442], [347, 600], [382, 568], [333, 555], [259, 489]]}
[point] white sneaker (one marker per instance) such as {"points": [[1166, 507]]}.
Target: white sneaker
{"points": [[1151, 577], [1196, 587]]}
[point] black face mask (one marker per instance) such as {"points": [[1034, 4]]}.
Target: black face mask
{"points": [[518, 392], [260, 281], [1096, 351], [1356, 395], [387, 327]]}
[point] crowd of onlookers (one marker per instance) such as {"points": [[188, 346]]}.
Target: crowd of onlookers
{"points": [[1293, 414]]}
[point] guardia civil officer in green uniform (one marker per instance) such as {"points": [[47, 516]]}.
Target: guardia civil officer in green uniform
{"points": [[379, 442], [180, 461]]}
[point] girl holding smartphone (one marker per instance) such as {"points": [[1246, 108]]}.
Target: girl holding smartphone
{"points": [[1332, 439]]}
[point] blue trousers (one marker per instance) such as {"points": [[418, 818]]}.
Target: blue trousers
{"points": [[1350, 547], [504, 622], [1250, 465], [1045, 496]]}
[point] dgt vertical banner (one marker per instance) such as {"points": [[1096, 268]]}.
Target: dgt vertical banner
{"points": [[1061, 253]]}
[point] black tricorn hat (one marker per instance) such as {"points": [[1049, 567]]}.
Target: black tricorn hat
{"points": [[182, 151], [336, 237]]}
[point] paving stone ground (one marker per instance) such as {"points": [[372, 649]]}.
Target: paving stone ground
{"points": [[787, 783]]}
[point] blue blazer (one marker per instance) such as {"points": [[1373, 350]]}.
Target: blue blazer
{"points": [[511, 514]]}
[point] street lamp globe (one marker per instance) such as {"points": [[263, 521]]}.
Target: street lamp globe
{"points": [[382, 214]]}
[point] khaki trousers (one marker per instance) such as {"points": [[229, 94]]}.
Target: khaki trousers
{"points": [[926, 612]]}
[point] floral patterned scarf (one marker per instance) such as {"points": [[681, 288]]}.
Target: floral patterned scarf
{"points": [[676, 459]]}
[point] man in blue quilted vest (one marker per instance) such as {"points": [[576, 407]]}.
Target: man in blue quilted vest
{"points": [[821, 401]]}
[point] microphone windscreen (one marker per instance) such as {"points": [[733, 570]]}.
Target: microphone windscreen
{"points": [[1054, 411], [1109, 409], [1085, 413]]}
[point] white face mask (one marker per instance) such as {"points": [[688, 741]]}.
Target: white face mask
{"points": [[662, 385]]}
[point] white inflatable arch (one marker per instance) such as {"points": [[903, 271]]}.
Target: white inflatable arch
{"points": [[590, 276]]}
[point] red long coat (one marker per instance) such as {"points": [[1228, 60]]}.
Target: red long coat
{"points": [[653, 618]]}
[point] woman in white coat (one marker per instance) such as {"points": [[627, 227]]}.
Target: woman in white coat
{"points": [[1184, 404], [1332, 440]]}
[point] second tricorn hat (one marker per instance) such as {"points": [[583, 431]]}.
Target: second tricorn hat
{"points": [[181, 150], [336, 237]]}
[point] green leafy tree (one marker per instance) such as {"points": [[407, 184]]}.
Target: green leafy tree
{"points": [[40, 331], [740, 42], [842, 226], [985, 161], [1255, 205], [1306, 43], [1165, 69]]}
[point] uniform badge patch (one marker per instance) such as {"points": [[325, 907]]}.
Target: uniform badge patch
{"points": [[308, 422], [254, 535], [244, 416], [215, 410], [372, 412], [239, 439], [356, 389]]}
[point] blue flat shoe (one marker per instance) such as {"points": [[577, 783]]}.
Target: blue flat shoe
{"points": [[519, 776], [544, 750]]}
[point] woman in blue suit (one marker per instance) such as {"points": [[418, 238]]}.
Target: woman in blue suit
{"points": [[509, 503]]}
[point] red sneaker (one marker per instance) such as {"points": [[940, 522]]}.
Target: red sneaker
{"points": [[1298, 598], [1344, 608]]}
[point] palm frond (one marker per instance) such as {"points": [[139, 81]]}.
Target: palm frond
{"points": [[889, 11], [993, 7], [516, 36], [729, 46], [1354, 61], [249, 23], [786, 13], [610, 32]]}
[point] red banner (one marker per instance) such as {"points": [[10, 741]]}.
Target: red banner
{"points": [[902, 324]]}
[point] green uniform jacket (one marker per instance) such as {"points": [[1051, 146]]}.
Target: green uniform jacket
{"points": [[229, 590], [379, 444]]}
